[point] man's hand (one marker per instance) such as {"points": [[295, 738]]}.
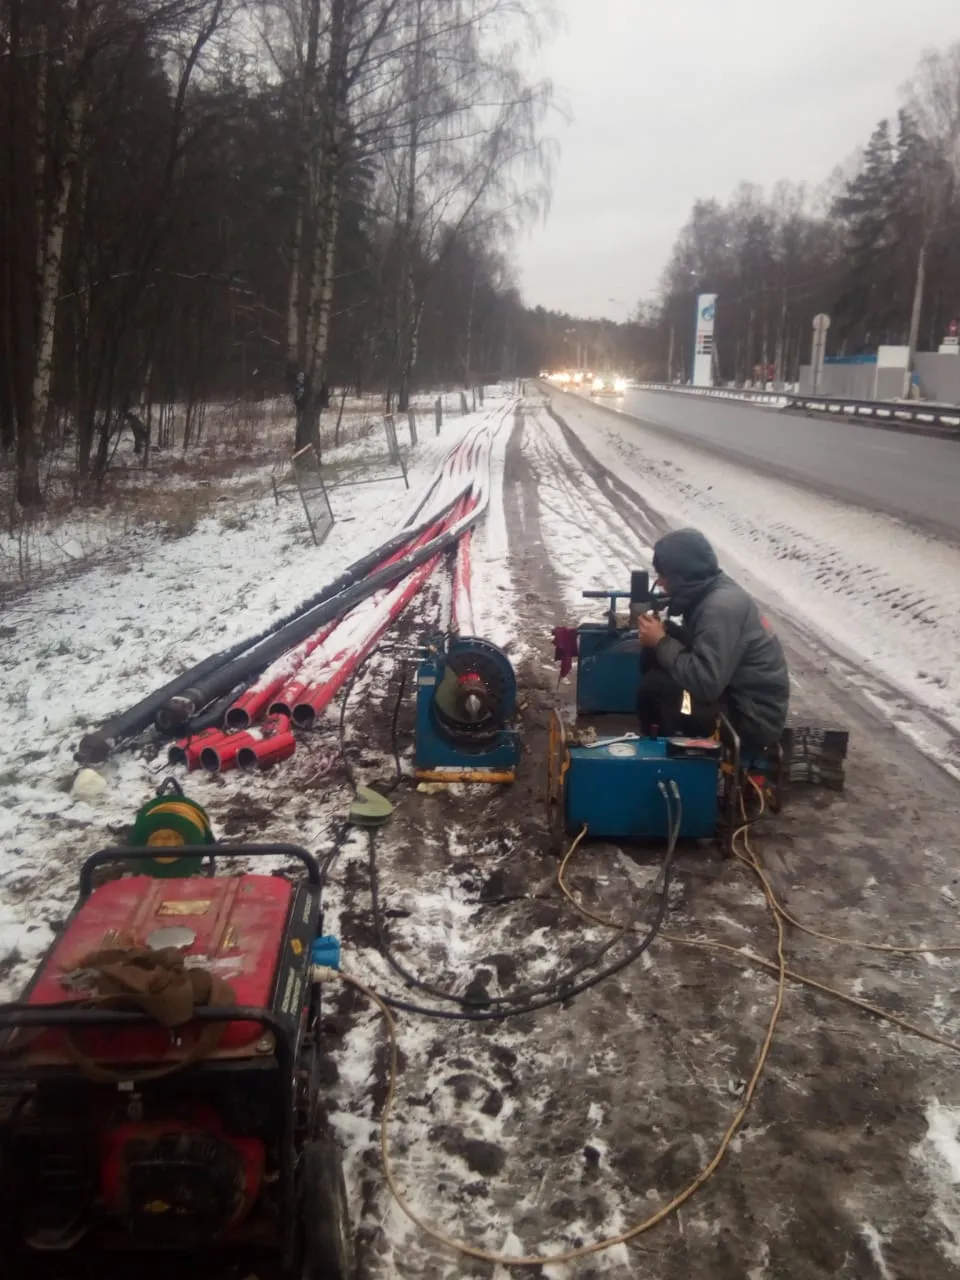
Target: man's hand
{"points": [[650, 630]]}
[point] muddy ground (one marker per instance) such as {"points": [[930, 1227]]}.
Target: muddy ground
{"points": [[551, 1130], [582, 1120]]}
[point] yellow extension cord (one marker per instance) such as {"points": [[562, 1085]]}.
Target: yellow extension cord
{"points": [[780, 915], [748, 959], [598, 1246]]}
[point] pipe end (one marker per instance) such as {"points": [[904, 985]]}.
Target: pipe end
{"points": [[92, 749]]}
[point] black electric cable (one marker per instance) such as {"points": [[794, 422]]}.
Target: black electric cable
{"points": [[343, 828], [341, 721], [339, 840], [342, 729], [452, 997], [556, 992], [559, 994], [394, 729]]}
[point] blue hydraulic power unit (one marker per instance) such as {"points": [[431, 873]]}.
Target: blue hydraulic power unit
{"points": [[613, 785], [466, 699], [624, 787]]}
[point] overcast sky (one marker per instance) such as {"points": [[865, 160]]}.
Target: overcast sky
{"points": [[675, 99]]}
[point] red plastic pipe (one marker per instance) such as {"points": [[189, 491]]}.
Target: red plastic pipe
{"points": [[187, 750], [261, 755], [395, 601], [316, 699], [220, 755], [258, 698], [277, 679], [296, 691]]}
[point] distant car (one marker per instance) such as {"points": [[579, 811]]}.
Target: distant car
{"points": [[608, 385]]}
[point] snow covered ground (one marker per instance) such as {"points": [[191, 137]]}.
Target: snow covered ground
{"points": [[88, 644]]}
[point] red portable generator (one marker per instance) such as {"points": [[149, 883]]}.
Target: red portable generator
{"points": [[159, 1081]]}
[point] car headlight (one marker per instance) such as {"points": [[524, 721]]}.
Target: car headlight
{"points": [[620, 384]]}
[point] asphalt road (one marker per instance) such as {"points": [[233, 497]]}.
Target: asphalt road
{"points": [[912, 476]]}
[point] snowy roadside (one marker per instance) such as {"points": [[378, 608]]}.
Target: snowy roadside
{"points": [[83, 647], [883, 596], [243, 446], [543, 1133]]}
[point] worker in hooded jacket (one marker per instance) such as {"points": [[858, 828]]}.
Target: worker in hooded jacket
{"points": [[725, 656]]}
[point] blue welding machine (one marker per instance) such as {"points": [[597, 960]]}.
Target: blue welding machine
{"points": [[466, 698], [608, 653], [612, 785]]}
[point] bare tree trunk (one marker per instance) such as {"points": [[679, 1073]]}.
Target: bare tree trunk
{"points": [[40, 155], [915, 315], [406, 338], [310, 379], [764, 348], [748, 359], [52, 257], [296, 352], [468, 341], [779, 374]]}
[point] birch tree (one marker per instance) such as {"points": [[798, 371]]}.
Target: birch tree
{"points": [[468, 152], [342, 48]]}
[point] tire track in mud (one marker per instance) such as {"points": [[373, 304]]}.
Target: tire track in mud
{"points": [[621, 497]]}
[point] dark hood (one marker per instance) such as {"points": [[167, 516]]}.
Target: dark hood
{"points": [[689, 563]]}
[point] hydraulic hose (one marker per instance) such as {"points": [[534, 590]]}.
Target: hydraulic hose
{"points": [[563, 988]]}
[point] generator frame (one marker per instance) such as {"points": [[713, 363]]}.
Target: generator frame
{"points": [[297, 1123]]}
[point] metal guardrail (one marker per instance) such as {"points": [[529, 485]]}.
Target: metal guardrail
{"points": [[778, 399], [943, 419]]}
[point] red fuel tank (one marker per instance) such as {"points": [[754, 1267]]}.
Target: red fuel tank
{"points": [[232, 926]]}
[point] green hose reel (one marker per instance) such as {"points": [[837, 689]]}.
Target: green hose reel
{"points": [[167, 822]]}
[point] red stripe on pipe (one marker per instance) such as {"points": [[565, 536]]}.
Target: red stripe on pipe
{"points": [[462, 607]]}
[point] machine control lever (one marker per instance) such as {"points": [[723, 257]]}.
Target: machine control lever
{"points": [[639, 596]]}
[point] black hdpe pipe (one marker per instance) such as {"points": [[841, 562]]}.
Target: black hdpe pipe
{"points": [[95, 747], [177, 714]]}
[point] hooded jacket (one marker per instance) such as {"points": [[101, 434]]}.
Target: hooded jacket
{"points": [[729, 649]]}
